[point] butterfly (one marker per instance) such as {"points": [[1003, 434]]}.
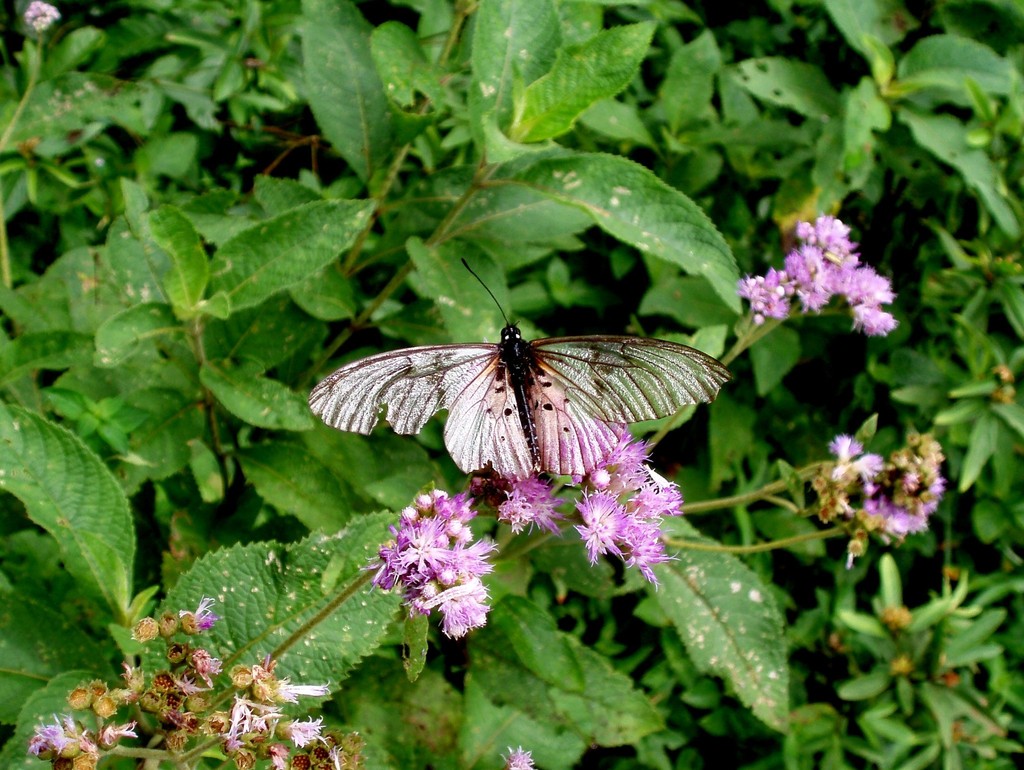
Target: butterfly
{"points": [[554, 405]]}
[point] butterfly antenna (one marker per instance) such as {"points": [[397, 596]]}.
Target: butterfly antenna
{"points": [[465, 264]]}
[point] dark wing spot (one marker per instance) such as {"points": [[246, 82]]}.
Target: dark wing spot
{"points": [[501, 437], [500, 389], [548, 407], [545, 384], [507, 413], [565, 429]]}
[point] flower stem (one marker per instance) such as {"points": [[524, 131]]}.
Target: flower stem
{"points": [[763, 493], [786, 542]]}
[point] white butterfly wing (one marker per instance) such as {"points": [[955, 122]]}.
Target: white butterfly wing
{"points": [[571, 440], [628, 379], [484, 426], [414, 383]]}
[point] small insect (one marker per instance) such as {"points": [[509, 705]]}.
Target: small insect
{"points": [[554, 405]]}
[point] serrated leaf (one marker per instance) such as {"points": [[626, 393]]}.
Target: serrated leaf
{"points": [[285, 250], [185, 281], [296, 482], [345, 93], [582, 74], [730, 624], [122, 334], [266, 591], [69, 492], [277, 196], [800, 86], [632, 204], [42, 350], [258, 400]]}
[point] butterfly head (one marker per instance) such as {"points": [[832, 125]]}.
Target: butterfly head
{"points": [[510, 333]]}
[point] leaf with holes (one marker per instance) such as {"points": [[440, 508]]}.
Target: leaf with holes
{"points": [[729, 622]]}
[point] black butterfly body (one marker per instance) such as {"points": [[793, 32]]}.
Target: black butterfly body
{"points": [[553, 405]]}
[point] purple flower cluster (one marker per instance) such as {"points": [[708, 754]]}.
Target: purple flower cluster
{"points": [[893, 497], [825, 264], [437, 564], [531, 501], [623, 509]]}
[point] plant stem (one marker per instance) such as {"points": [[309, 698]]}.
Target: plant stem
{"points": [[786, 542], [762, 493], [35, 64]]}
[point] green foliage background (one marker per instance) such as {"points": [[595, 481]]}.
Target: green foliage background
{"points": [[209, 204]]}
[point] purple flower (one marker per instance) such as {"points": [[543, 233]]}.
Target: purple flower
{"points": [[301, 733], [434, 559], [530, 503], [518, 759], [50, 738], [41, 16], [823, 266], [205, 665], [768, 295], [203, 618], [894, 497], [111, 734], [622, 513]]}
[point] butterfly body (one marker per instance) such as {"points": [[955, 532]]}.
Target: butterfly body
{"points": [[555, 405]]}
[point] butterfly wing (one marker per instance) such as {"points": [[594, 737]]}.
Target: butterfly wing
{"points": [[583, 387], [484, 426], [414, 384]]}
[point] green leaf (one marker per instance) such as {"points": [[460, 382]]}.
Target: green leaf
{"points": [[468, 313], [403, 66], [122, 334], [629, 202], [581, 75], [946, 62], [618, 121], [946, 138], [687, 299], [1011, 297], [285, 250], [277, 196], [345, 93], [597, 702], [69, 492], [28, 626], [865, 687], [534, 638], [42, 350], [689, 83], [246, 393], [514, 43], [414, 640], [730, 624], [773, 357], [858, 20], [273, 590], [980, 448], [794, 84], [186, 280], [294, 481], [162, 443], [327, 295], [1012, 415]]}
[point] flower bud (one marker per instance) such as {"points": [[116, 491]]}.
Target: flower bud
{"points": [[146, 630]]}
